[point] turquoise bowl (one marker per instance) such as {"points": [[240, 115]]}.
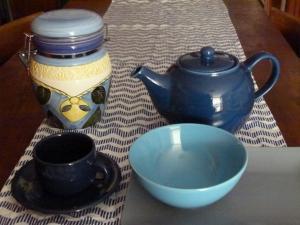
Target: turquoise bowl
{"points": [[188, 165]]}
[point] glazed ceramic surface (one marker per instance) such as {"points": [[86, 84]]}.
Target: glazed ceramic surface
{"points": [[78, 45], [188, 165], [73, 94], [68, 31], [71, 71], [208, 87], [64, 23], [28, 191], [65, 162]]}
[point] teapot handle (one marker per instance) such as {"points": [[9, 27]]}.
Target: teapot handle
{"points": [[253, 60]]}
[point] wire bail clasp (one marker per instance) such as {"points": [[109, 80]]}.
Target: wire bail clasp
{"points": [[27, 51]]}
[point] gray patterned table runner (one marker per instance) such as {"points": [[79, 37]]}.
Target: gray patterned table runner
{"points": [[154, 33]]}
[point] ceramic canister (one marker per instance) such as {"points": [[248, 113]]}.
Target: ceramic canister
{"points": [[70, 69]]}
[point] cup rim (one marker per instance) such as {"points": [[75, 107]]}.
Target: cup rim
{"points": [[92, 150]]}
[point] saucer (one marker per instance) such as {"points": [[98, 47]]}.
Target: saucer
{"points": [[27, 190]]}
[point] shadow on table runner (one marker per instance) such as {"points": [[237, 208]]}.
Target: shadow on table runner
{"points": [[114, 141], [153, 33]]}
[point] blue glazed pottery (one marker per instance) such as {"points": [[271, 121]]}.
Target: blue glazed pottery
{"points": [[64, 23], [70, 68], [188, 165], [67, 31], [108, 177], [207, 87], [63, 46], [65, 163]]}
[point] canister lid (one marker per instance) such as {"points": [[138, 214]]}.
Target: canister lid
{"points": [[67, 23], [207, 61]]}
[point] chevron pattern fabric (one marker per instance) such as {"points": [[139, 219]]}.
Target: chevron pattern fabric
{"points": [[153, 33]]}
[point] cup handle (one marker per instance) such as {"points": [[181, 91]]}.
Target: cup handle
{"points": [[273, 78]]}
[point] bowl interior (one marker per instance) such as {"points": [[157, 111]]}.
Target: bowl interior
{"points": [[187, 156]]}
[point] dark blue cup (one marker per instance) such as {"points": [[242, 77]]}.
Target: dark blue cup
{"points": [[65, 163]]}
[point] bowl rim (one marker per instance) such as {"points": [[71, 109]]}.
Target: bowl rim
{"points": [[237, 174]]}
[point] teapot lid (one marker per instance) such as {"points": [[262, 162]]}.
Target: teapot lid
{"points": [[208, 61], [67, 23]]}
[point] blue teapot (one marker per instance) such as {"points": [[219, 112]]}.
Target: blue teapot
{"points": [[207, 87]]}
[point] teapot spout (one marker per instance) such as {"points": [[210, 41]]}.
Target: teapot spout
{"points": [[158, 87]]}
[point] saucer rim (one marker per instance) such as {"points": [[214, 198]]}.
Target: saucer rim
{"points": [[27, 204]]}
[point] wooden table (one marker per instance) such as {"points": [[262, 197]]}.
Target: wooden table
{"points": [[256, 33], [20, 113]]}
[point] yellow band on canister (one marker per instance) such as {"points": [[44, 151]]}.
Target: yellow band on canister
{"points": [[72, 80]]}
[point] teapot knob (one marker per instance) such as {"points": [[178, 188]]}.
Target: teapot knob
{"points": [[207, 55]]}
